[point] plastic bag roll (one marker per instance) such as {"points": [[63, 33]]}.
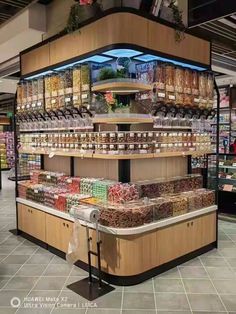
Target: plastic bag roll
{"points": [[85, 214]]}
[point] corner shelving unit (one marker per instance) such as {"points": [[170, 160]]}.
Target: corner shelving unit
{"points": [[158, 246]]}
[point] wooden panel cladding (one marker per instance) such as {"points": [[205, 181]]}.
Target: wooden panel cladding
{"points": [[31, 221], [58, 232], [158, 168], [117, 28], [35, 59], [162, 38], [57, 164], [107, 169], [150, 249]]}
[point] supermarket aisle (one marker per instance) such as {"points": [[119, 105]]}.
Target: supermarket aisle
{"points": [[34, 280]]}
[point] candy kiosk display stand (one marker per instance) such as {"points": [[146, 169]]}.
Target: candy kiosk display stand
{"points": [[129, 151]]}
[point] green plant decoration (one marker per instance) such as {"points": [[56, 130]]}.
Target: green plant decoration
{"points": [[178, 19], [106, 74], [80, 13]]}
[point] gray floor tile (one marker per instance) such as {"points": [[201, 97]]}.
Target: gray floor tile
{"points": [[2, 257], [146, 286], [205, 302], [225, 286], [39, 259], [33, 311], [58, 270], [133, 300], [75, 301], [31, 270], [192, 272], [168, 285], [175, 312], [231, 261], [41, 299], [193, 262], [199, 286], [106, 311], [226, 244], [228, 252], [229, 302], [213, 261], [50, 283], [222, 236], [41, 250], [171, 302], [16, 259], [206, 312], [213, 253], [58, 260], [220, 273], [7, 310], [7, 295], [5, 250], [29, 243], [132, 312], [76, 271], [74, 311], [3, 281], [172, 273], [8, 270], [232, 237], [27, 250], [21, 283]]}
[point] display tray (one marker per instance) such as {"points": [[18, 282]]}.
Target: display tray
{"points": [[122, 231], [121, 86], [114, 156]]}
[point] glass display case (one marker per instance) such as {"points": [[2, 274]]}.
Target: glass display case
{"points": [[222, 178]]}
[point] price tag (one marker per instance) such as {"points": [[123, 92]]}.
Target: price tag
{"points": [[228, 187], [234, 164], [39, 103], [56, 197], [67, 99], [171, 97], [69, 180], [84, 96], [196, 100], [48, 177], [228, 176], [53, 101], [36, 191], [221, 163], [161, 95], [75, 97]]}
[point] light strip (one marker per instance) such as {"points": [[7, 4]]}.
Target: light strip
{"points": [[148, 58]]}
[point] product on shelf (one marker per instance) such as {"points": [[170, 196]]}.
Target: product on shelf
{"points": [[208, 197], [126, 215], [121, 193], [162, 208]]}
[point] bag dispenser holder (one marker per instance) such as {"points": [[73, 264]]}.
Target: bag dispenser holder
{"points": [[92, 288]]}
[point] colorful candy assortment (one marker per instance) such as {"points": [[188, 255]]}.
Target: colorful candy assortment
{"points": [[122, 193], [121, 205]]}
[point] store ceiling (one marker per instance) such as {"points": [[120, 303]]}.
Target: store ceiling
{"points": [[9, 8], [222, 33]]}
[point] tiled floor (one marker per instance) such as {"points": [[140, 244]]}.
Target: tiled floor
{"points": [[37, 280]]}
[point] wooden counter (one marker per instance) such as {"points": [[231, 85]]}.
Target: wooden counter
{"points": [[128, 255]]}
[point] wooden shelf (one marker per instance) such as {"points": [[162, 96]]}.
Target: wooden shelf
{"points": [[122, 86], [115, 157], [122, 120], [55, 153], [123, 157]]}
